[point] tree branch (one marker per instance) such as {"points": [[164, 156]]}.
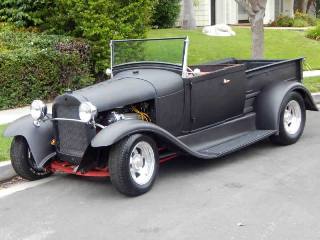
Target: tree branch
{"points": [[246, 5]]}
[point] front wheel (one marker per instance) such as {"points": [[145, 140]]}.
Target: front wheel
{"points": [[134, 164], [292, 120], [23, 162]]}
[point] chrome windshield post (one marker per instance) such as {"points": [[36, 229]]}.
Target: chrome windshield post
{"points": [[185, 58], [111, 58]]}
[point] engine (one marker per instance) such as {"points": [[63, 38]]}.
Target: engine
{"points": [[141, 111]]}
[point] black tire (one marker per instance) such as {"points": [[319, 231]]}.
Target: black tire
{"points": [[119, 165], [284, 137], [23, 162]]}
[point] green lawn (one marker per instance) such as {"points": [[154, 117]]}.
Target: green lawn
{"points": [[312, 83], [4, 145], [280, 44]]}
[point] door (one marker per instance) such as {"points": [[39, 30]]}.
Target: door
{"points": [[217, 97], [242, 14]]}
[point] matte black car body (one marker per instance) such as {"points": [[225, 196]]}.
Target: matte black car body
{"points": [[235, 103]]}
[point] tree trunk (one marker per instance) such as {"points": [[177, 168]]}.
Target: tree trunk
{"points": [[299, 6], [309, 4], [257, 30], [256, 19], [188, 21], [256, 10]]}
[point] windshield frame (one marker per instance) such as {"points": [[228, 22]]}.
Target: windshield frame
{"points": [[183, 60]]}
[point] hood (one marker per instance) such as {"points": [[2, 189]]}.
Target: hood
{"points": [[129, 87]]}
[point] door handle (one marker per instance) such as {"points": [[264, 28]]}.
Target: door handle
{"points": [[226, 81]]}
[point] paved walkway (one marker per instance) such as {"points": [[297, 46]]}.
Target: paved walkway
{"points": [[314, 73], [10, 115], [275, 28]]}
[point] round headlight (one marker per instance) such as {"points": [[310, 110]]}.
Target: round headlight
{"points": [[38, 110], [87, 111]]}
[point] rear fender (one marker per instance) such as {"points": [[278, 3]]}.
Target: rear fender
{"points": [[38, 138], [269, 102]]}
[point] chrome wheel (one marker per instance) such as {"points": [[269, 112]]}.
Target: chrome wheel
{"points": [[142, 163], [292, 117]]}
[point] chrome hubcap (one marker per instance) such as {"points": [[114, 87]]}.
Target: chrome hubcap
{"points": [[292, 117], [142, 163]]}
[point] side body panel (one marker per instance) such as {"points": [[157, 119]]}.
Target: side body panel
{"points": [[38, 138], [264, 75]]}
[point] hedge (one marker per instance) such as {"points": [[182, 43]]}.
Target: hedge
{"points": [[98, 21], [299, 20], [166, 13], [40, 66]]}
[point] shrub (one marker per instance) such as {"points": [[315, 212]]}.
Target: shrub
{"points": [[166, 13], [283, 21], [25, 13], [98, 21], [299, 20], [314, 33], [309, 20], [40, 66]]}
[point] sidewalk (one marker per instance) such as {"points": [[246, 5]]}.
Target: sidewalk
{"points": [[7, 116], [273, 28], [314, 73]]}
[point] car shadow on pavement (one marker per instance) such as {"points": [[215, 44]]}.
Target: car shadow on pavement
{"points": [[181, 167], [186, 164]]}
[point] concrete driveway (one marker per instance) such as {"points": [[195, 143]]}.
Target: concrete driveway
{"points": [[264, 192]]}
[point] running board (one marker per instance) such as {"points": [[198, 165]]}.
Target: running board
{"points": [[236, 143]]}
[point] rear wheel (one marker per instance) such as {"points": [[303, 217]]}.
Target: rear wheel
{"points": [[133, 164], [23, 162], [292, 120]]}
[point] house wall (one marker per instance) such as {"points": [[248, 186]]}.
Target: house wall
{"points": [[288, 8], [227, 11], [270, 12], [203, 13]]}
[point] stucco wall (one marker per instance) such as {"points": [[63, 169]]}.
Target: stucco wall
{"points": [[203, 13], [227, 11]]}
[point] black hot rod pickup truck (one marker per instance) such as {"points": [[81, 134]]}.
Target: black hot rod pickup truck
{"points": [[155, 107]]}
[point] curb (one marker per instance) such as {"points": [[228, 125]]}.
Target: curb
{"points": [[316, 97], [6, 171]]}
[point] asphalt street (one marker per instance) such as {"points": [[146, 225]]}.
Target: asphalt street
{"points": [[263, 192]]}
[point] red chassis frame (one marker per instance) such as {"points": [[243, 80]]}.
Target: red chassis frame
{"points": [[65, 167]]}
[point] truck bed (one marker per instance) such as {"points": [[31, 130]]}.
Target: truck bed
{"points": [[260, 73]]}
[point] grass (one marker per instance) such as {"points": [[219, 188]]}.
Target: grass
{"points": [[312, 83], [4, 145], [279, 44]]}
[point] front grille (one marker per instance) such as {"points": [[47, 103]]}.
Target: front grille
{"points": [[73, 138]]}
